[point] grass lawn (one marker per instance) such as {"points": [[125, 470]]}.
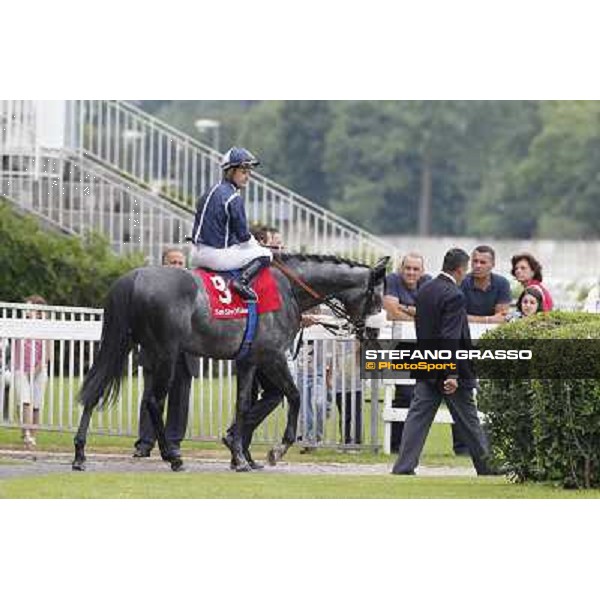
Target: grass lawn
{"points": [[262, 485], [438, 449], [232, 485]]}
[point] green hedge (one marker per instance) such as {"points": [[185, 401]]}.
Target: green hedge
{"points": [[547, 429], [65, 270]]}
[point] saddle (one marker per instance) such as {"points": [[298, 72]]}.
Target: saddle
{"points": [[227, 304]]}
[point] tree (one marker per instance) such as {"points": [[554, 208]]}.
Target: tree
{"points": [[408, 152], [64, 270], [498, 138], [560, 177], [484, 168]]}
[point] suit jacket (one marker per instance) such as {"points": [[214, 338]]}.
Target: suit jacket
{"points": [[442, 318]]}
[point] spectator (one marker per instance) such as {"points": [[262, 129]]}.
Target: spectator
{"points": [[487, 294], [488, 298], [270, 237], [530, 302], [31, 377], [276, 240], [311, 385], [399, 300], [528, 272], [186, 367], [401, 288], [4, 376], [343, 379], [262, 235]]}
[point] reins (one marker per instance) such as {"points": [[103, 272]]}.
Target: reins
{"points": [[334, 305]]}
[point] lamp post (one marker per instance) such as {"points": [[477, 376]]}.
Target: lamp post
{"points": [[202, 125]]}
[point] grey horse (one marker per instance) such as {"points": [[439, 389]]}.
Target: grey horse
{"points": [[166, 311]]}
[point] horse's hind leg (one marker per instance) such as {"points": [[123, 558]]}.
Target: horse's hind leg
{"points": [[81, 436], [156, 388]]}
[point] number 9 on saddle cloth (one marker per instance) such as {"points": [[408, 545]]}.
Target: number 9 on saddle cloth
{"points": [[249, 256]]}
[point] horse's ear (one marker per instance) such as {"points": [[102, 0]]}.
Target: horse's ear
{"points": [[378, 271]]}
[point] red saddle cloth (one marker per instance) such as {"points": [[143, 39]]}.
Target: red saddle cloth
{"points": [[227, 304]]}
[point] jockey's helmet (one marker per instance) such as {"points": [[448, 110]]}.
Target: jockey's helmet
{"points": [[238, 157]]}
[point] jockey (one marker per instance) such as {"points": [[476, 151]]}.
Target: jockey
{"points": [[222, 240]]}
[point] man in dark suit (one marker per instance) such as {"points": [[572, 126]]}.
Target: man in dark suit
{"points": [[187, 366], [441, 317]]}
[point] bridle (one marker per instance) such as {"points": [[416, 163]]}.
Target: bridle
{"points": [[357, 324]]}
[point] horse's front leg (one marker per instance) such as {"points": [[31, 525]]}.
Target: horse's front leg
{"points": [[278, 371], [245, 378]]}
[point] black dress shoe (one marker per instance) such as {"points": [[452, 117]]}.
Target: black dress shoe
{"points": [[141, 453], [494, 472]]}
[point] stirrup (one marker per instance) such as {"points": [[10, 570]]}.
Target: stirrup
{"points": [[244, 291]]}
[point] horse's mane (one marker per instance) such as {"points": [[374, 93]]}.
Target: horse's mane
{"points": [[319, 258]]}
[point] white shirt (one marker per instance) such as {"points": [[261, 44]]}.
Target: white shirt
{"points": [[450, 277]]}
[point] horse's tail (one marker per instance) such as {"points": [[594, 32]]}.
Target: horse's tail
{"points": [[103, 381]]}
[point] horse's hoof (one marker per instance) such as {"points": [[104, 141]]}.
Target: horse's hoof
{"points": [[177, 465], [272, 457], [78, 465], [243, 468]]}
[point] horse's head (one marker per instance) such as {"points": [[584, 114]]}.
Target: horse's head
{"points": [[318, 279], [366, 297]]}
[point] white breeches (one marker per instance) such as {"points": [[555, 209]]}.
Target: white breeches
{"points": [[227, 259]]}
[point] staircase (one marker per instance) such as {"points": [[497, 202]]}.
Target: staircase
{"points": [[77, 196], [135, 179]]}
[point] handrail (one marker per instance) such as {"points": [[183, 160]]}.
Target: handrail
{"points": [[127, 146], [182, 149], [132, 218], [257, 176]]}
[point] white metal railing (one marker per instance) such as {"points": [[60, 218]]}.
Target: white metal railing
{"points": [[73, 334], [17, 126], [177, 167], [79, 196]]}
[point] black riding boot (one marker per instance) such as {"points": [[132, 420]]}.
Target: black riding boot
{"points": [[241, 284]]}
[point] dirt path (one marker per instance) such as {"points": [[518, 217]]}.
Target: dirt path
{"points": [[15, 463]]}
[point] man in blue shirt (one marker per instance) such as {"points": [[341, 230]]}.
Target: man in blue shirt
{"points": [[488, 299], [488, 294], [401, 290]]}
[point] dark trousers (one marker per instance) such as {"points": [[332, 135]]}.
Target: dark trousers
{"points": [[403, 398], [421, 413], [458, 443], [177, 411], [5, 407], [352, 432]]}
